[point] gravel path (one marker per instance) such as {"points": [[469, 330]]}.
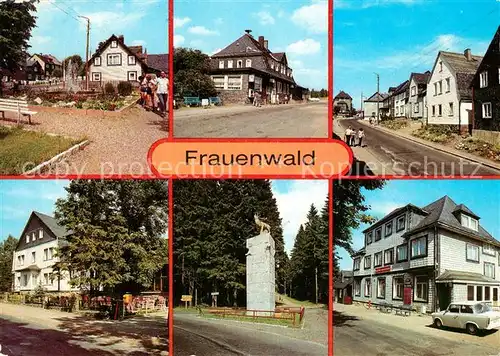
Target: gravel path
{"points": [[119, 142]]}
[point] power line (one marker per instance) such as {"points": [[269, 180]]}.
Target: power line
{"points": [[66, 12]]}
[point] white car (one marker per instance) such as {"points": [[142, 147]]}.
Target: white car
{"points": [[314, 99], [471, 316]]}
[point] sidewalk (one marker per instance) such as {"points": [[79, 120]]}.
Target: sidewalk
{"points": [[437, 146], [362, 154], [416, 322]]}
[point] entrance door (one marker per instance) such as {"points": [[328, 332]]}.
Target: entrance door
{"points": [[444, 294]]}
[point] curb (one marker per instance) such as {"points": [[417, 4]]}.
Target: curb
{"points": [[424, 143], [217, 342], [38, 169]]}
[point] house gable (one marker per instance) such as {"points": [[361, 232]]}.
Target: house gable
{"points": [[490, 62], [121, 46], [38, 222], [246, 45]]}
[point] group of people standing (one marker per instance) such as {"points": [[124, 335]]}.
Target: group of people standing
{"points": [[351, 135], [154, 93]]}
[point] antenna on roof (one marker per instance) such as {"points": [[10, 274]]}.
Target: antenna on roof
{"points": [[248, 31]]}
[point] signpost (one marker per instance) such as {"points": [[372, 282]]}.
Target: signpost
{"points": [[186, 299]]}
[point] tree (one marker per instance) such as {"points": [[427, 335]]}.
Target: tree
{"points": [[116, 233], [16, 23], [336, 109], [7, 248], [349, 211], [57, 73], [191, 73]]}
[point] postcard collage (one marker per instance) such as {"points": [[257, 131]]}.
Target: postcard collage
{"points": [[252, 177]]}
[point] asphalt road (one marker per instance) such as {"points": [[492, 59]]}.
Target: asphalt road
{"points": [[405, 157], [292, 120], [355, 337], [195, 336]]}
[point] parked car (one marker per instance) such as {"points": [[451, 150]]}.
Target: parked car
{"points": [[471, 316], [314, 99]]}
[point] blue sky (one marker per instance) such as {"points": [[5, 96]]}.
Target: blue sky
{"points": [[397, 37], [481, 196], [61, 33], [18, 198], [297, 27]]}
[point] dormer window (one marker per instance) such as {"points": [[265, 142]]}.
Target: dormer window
{"points": [[239, 64], [248, 63], [469, 222], [114, 44], [221, 64], [27, 238], [369, 238], [40, 234]]}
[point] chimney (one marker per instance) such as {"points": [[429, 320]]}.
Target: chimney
{"points": [[266, 43], [261, 41], [468, 55], [248, 32], [121, 39]]}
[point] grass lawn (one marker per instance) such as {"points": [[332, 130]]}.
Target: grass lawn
{"points": [[283, 322], [22, 150], [290, 301]]}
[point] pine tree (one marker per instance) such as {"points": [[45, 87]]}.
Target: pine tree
{"points": [[7, 248]]}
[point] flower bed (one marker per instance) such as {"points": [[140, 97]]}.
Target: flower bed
{"points": [[436, 133], [479, 148], [394, 124]]}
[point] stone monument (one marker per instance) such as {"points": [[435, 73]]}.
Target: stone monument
{"points": [[261, 270]]}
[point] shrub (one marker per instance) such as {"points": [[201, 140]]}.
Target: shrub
{"points": [[437, 133], [109, 88], [124, 88], [394, 124]]}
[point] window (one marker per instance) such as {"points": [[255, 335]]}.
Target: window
{"points": [[441, 66], [97, 61], [419, 247], [27, 238], [239, 64], [397, 287], [248, 63], [230, 64], [433, 110], [388, 229], [483, 79], [488, 250], [435, 89], [368, 287], [470, 293], [221, 64], [416, 107], [440, 86], [486, 110], [369, 238], [356, 263], [469, 222], [45, 278], [402, 253], [45, 254], [389, 257], [96, 77], [479, 293], [33, 257], [272, 65], [487, 295], [114, 44], [218, 82], [381, 288], [234, 82], [378, 259], [20, 260], [495, 294], [51, 253], [400, 223], [421, 288], [489, 270], [454, 308], [378, 234], [25, 280], [33, 236], [357, 288], [448, 87], [440, 110], [131, 60], [368, 262], [40, 234], [132, 76], [472, 253], [413, 90], [114, 59], [450, 109]]}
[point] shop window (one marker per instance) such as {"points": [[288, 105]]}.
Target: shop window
{"points": [[397, 288], [470, 293], [381, 288], [421, 288]]}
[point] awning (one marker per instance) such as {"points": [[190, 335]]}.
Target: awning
{"points": [[29, 268], [450, 276]]}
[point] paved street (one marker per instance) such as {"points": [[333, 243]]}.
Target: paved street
{"points": [[398, 156], [292, 120], [30, 331], [200, 336], [358, 334]]}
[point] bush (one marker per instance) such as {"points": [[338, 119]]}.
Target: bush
{"points": [[124, 88], [437, 133], [109, 88], [394, 124]]}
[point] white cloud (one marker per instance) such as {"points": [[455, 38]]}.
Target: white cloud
{"points": [[294, 204], [217, 50], [303, 47], [112, 21], [138, 43], [178, 40], [179, 22], [312, 17], [264, 17], [40, 40], [365, 4], [201, 31]]}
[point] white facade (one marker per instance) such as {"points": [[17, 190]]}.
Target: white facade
{"points": [[416, 103], [443, 103], [114, 63], [370, 109], [400, 106]]}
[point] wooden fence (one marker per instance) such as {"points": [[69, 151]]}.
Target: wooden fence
{"points": [[290, 314]]}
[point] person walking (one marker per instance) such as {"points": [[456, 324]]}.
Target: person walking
{"points": [[348, 134], [257, 99], [162, 92], [361, 136]]}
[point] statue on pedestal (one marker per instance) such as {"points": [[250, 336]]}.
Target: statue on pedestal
{"points": [[262, 225]]}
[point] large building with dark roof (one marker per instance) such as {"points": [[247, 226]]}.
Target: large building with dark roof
{"points": [[344, 102], [417, 99], [427, 257], [247, 66]]}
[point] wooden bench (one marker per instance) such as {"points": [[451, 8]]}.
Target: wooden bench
{"points": [[385, 307], [215, 100], [192, 100], [403, 310], [17, 106]]}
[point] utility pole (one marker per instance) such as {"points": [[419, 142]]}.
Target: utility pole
{"points": [[87, 52], [378, 99], [316, 284]]}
